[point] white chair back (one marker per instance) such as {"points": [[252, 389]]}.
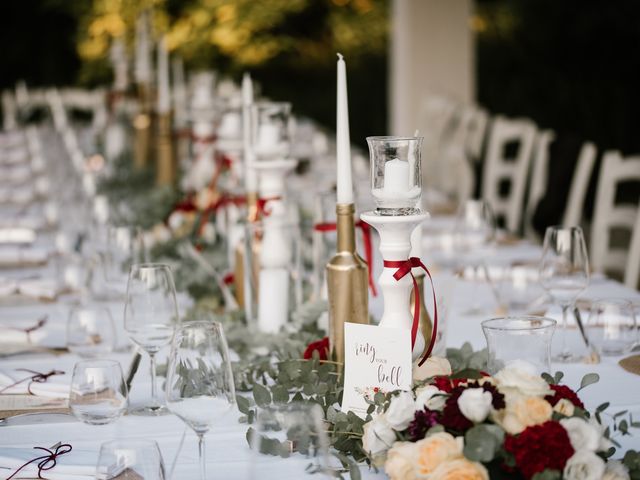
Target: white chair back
{"points": [[579, 184], [609, 216], [538, 179], [498, 168], [632, 275], [436, 117], [476, 122]]}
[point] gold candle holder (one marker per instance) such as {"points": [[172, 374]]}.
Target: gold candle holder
{"points": [[238, 273], [347, 283], [165, 168], [142, 128], [426, 325]]}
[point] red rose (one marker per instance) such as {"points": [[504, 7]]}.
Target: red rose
{"points": [[562, 391], [540, 447], [321, 346], [446, 384]]}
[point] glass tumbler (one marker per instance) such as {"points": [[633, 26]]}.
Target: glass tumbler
{"points": [[519, 339], [612, 326]]}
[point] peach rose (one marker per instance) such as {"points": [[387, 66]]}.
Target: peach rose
{"points": [[434, 366], [522, 413], [400, 464], [460, 469], [436, 449], [564, 407]]}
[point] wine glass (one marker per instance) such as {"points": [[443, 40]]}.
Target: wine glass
{"points": [[612, 326], [199, 386], [150, 318], [475, 225], [90, 331], [98, 393], [564, 273], [295, 431], [130, 459]]}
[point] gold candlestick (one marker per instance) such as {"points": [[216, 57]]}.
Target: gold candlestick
{"points": [[425, 326], [238, 273], [347, 283], [165, 173], [142, 128]]}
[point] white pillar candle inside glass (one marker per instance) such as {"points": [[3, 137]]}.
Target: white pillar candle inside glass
{"points": [[396, 174], [271, 130]]}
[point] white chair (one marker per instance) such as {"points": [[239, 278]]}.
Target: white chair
{"points": [[632, 275], [499, 169], [609, 216], [476, 120], [579, 184], [539, 178]]}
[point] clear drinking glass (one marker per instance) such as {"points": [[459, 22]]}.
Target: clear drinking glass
{"points": [[475, 225], [199, 386], [564, 273], [396, 177], [98, 392], [151, 317], [130, 460], [90, 331], [518, 287], [295, 431], [612, 326], [519, 339]]}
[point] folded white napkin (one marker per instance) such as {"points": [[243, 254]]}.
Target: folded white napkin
{"points": [[56, 386], [46, 288], [74, 465], [17, 235], [14, 256], [29, 221]]}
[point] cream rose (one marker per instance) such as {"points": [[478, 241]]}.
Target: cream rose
{"points": [[520, 380], [401, 411], [584, 465], [430, 397], [436, 449], [582, 435], [460, 469], [522, 413], [564, 407], [433, 367], [400, 464], [616, 471], [378, 436], [475, 404]]}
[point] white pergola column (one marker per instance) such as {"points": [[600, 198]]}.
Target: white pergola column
{"points": [[432, 52]]}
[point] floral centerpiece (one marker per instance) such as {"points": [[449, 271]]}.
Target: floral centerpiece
{"points": [[473, 426]]}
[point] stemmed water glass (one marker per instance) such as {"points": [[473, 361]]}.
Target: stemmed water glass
{"points": [[199, 387], [564, 273], [150, 317], [475, 225]]}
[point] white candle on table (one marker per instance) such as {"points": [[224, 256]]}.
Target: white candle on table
{"points": [[273, 299], [164, 97], [251, 176], [268, 139], [396, 177], [143, 54], [343, 142]]}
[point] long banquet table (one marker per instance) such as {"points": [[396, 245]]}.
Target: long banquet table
{"points": [[228, 455]]}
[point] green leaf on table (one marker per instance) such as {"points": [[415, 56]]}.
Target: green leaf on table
{"points": [[602, 407], [548, 378], [482, 442], [589, 379], [558, 377], [243, 404], [470, 373], [548, 475], [280, 394], [261, 395]]}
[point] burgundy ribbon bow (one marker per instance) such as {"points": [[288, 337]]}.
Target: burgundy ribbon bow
{"points": [[404, 267], [39, 324], [366, 240], [37, 377], [45, 462]]}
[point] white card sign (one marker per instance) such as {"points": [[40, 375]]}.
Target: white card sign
{"points": [[376, 359]]}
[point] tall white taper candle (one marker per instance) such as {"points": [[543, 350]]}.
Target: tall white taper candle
{"points": [[343, 142], [164, 96], [251, 176], [143, 53]]}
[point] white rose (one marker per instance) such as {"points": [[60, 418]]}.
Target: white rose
{"points": [[430, 397], [378, 436], [584, 465], [475, 404], [604, 443], [520, 379], [401, 411], [583, 436], [616, 471]]}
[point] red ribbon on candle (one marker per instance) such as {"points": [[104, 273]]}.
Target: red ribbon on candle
{"points": [[404, 267], [47, 462], [37, 377], [366, 240]]}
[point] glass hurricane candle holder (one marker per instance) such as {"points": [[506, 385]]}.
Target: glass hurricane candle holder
{"points": [[396, 177], [271, 136]]}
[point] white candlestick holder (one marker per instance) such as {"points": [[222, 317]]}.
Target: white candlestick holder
{"points": [[395, 245]]}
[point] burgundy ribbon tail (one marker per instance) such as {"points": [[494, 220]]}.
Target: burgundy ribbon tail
{"points": [[405, 267], [37, 377], [45, 462]]}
